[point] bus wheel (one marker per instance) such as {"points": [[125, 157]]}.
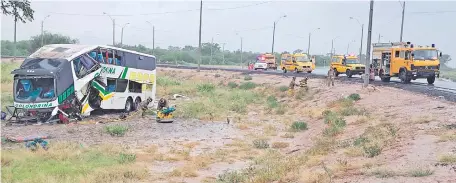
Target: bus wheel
{"points": [[137, 103], [431, 79], [335, 72], [128, 105]]}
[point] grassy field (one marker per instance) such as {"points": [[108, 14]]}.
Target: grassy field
{"points": [[7, 82], [449, 74], [71, 162]]}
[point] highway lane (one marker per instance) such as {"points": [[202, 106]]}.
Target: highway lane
{"points": [[442, 89]]}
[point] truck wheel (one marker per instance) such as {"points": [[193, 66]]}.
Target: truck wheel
{"points": [[348, 73], [284, 70], [309, 71], [431, 79], [403, 76], [296, 70], [335, 72]]}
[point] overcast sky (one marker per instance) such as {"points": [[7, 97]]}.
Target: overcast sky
{"points": [[176, 23]]}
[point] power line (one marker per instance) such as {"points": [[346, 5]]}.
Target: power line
{"points": [[432, 12], [161, 13]]}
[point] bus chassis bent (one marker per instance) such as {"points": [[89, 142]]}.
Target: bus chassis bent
{"points": [[64, 82]]}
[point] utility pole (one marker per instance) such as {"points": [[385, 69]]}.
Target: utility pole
{"points": [[199, 49], [153, 40], [348, 46], [14, 50], [308, 46], [42, 30], [223, 53], [402, 24], [212, 43], [369, 39], [361, 46], [332, 48], [273, 36], [241, 52], [121, 34], [379, 38]]}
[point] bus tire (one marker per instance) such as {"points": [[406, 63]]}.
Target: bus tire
{"points": [[137, 103], [431, 80], [128, 105]]}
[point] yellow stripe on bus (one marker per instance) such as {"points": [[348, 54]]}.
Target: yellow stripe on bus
{"points": [[85, 108], [105, 97]]}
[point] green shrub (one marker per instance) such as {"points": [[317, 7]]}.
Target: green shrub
{"points": [[354, 96], [283, 88], [272, 102], [281, 110], [349, 111], [127, 158], [231, 177], [421, 172], [260, 143], [247, 85], [360, 141], [299, 126], [247, 77], [232, 85], [116, 130], [372, 150], [205, 87]]}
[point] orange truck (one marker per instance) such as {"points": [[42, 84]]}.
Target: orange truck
{"points": [[269, 59]]}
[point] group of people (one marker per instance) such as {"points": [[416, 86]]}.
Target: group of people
{"points": [[303, 82]]}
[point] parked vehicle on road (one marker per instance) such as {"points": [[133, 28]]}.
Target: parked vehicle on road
{"points": [[406, 61], [347, 64]]}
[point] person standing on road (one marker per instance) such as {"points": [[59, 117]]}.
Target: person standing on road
{"points": [[330, 77]]}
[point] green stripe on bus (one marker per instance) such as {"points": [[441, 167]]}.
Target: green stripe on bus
{"points": [[100, 88], [124, 74]]}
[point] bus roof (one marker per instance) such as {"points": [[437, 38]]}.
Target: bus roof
{"points": [[71, 51]]}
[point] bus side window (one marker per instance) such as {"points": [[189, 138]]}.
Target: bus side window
{"points": [[134, 87], [82, 65], [396, 54]]}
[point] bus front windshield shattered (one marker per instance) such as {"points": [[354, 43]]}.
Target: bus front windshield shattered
{"points": [[34, 89]]}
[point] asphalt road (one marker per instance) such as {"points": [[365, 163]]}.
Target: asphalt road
{"points": [[441, 89]]}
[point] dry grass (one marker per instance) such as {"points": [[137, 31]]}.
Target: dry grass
{"points": [[184, 172], [354, 152], [317, 176], [177, 155], [422, 119], [191, 145], [242, 126], [383, 173], [280, 145], [287, 135], [361, 120], [448, 136], [448, 158], [270, 130]]}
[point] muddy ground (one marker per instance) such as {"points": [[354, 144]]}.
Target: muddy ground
{"points": [[192, 150]]}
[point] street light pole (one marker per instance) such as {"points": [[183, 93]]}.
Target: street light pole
{"points": [[308, 46], [362, 35], [153, 37], [121, 34], [42, 30], [273, 32], [402, 24], [113, 29], [369, 39], [199, 49], [212, 43], [223, 53], [241, 52]]}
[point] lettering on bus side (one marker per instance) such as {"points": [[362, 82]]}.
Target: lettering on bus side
{"points": [[109, 70], [143, 77], [34, 106], [62, 97]]}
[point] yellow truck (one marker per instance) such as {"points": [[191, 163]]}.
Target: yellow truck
{"points": [[406, 61], [347, 64], [298, 62]]}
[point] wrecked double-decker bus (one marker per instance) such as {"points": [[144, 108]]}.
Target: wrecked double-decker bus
{"points": [[62, 82]]}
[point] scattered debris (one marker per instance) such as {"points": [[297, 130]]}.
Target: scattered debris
{"points": [[32, 145], [27, 138]]}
